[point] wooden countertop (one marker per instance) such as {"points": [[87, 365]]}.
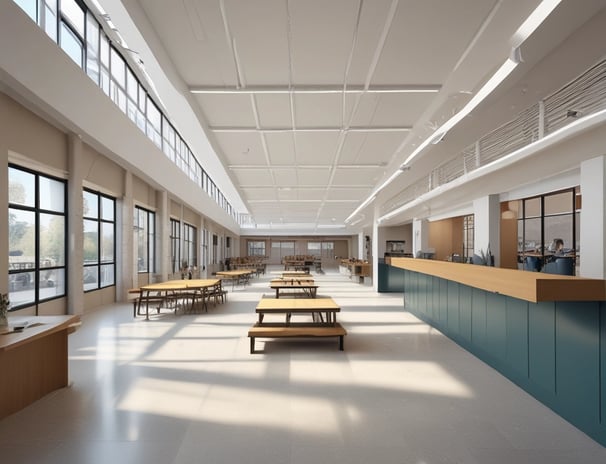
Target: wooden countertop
{"points": [[39, 326], [525, 285]]}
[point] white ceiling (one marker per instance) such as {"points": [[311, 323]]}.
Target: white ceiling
{"points": [[310, 104]]}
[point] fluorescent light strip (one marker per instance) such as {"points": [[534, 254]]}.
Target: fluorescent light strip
{"points": [[314, 90], [531, 23]]}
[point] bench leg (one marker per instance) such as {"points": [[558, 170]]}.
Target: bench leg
{"points": [[341, 342], [252, 345]]}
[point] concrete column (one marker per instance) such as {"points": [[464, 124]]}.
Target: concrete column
{"points": [[361, 242], [162, 236], [593, 218], [420, 235], [487, 216], [75, 242], [127, 275]]}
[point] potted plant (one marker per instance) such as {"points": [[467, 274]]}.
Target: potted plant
{"points": [[4, 305]]}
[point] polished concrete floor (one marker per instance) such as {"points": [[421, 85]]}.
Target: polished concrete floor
{"points": [[184, 389]]}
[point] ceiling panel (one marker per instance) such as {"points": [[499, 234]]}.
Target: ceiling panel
{"points": [[318, 110], [253, 177], [370, 148], [274, 110], [321, 43], [281, 148], [347, 193], [440, 31], [286, 177], [360, 177], [242, 148], [227, 109], [316, 148], [261, 43], [313, 176], [260, 193]]}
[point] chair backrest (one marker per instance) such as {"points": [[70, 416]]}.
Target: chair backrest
{"points": [[533, 263], [564, 266]]}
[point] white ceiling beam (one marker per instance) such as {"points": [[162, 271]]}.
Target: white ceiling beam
{"points": [[235, 129], [329, 89]]}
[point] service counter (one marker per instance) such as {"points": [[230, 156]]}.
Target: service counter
{"points": [[33, 361], [545, 332]]}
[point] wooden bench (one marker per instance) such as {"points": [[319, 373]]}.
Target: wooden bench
{"points": [[295, 330]]}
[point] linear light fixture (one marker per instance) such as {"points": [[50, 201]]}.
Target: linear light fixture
{"points": [[234, 129], [532, 22], [335, 89]]}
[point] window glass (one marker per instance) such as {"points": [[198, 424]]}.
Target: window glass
{"points": [[52, 240], [104, 50], [92, 48], [558, 203], [50, 18], [71, 44], [108, 276], [90, 205], [74, 14], [29, 6], [118, 68], [52, 195], [90, 278], [52, 283], [132, 88], [91, 242], [107, 208], [36, 238], [21, 239], [107, 242], [532, 207], [21, 187]]}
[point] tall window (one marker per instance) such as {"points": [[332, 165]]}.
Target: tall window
{"points": [[37, 231], [175, 246], [215, 249], [190, 245], [545, 219], [99, 213], [145, 227], [256, 248], [468, 237]]}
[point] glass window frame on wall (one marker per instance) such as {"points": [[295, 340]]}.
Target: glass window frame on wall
{"points": [[175, 246], [42, 199], [99, 221], [254, 248], [540, 224], [190, 246], [76, 30], [145, 226]]}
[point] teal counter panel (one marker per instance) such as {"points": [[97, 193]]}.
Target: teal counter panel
{"points": [[577, 360], [391, 279], [496, 327], [443, 308], [517, 337], [541, 347], [478, 317], [556, 351], [465, 314], [452, 306]]}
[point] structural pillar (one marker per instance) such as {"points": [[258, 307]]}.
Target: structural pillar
{"points": [[593, 218], [75, 247]]}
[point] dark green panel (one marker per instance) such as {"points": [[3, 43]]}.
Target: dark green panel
{"points": [[436, 299], [443, 308], [465, 312], [496, 326], [517, 336], [453, 306], [422, 304], [478, 317], [577, 360], [391, 279], [541, 346], [414, 290]]}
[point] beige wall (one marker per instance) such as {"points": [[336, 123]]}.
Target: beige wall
{"points": [[446, 237]]}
